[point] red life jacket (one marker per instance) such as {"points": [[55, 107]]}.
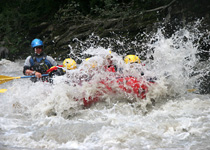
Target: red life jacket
{"points": [[54, 68], [110, 68]]}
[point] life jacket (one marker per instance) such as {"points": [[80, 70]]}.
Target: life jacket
{"points": [[53, 69], [40, 64], [111, 68]]}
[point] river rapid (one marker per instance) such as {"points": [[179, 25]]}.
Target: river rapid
{"points": [[40, 115]]}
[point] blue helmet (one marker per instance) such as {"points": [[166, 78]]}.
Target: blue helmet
{"points": [[36, 42]]}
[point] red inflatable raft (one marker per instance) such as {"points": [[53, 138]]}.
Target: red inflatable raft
{"points": [[127, 84], [130, 85]]}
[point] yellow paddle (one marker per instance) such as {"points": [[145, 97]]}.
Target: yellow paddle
{"points": [[4, 79], [3, 90], [191, 90]]}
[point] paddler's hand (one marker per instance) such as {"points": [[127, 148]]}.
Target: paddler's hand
{"points": [[38, 75]]}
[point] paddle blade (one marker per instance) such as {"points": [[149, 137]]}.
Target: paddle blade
{"points": [[3, 90], [191, 90], [4, 79]]}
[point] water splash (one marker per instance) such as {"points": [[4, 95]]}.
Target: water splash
{"points": [[41, 115]]}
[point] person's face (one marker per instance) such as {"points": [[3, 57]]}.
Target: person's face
{"points": [[109, 60], [38, 50]]}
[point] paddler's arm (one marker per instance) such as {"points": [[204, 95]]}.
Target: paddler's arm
{"points": [[52, 61], [31, 72], [27, 69]]}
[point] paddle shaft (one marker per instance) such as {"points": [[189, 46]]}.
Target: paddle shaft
{"points": [[43, 75]]}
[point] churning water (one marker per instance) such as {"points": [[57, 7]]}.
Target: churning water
{"points": [[43, 116]]}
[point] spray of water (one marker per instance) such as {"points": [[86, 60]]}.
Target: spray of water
{"points": [[172, 64], [42, 115]]}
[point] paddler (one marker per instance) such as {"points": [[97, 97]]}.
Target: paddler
{"points": [[132, 60], [108, 63], [136, 65], [38, 63], [68, 64], [91, 68]]}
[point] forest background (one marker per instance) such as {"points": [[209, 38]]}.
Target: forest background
{"points": [[60, 23]]}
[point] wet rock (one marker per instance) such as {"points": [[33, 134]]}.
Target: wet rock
{"points": [[4, 52]]}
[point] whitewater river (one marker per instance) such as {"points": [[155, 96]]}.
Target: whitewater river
{"points": [[39, 115]]}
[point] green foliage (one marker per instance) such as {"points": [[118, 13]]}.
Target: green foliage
{"points": [[18, 16], [150, 4], [68, 11]]}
